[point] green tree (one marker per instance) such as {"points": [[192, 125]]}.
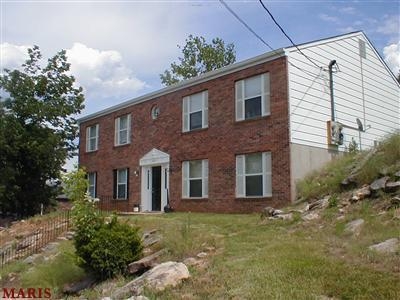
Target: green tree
{"points": [[199, 57], [37, 130]]}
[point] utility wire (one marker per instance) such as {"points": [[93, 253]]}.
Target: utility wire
{"points": [[283, 31], [260, 38], [245, 25]]}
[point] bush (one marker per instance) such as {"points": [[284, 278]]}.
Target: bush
{"points": [[112, 248], [103, 249]]}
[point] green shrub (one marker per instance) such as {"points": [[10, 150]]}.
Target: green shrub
{"points": [[112, 248]]}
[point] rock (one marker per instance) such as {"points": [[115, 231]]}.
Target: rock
{"points": [[267, 212], [310, 216], [70, 235], [137, 298], [201, 255], [286, 217], [361, 194], [145, 263], [161, 276], [397, 174], [191, 261], [395, 201], [379, 184], [76, 287], [277, 212], [31, 259], [354, 227], [148, 242], [392, 186], [388, 246], [210, 249], [319, 204]]}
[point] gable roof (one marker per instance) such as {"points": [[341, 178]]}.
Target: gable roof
{"points": [[268, 56]]}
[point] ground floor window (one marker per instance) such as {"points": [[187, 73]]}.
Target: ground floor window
{"points": [[195, 179], [121, 182], [92, 178], [253, 175]]}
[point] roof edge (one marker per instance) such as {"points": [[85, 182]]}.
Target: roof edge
{"points": [[268, 56]]}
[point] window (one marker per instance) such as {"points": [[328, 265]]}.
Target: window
{"points": [[92, 188], [252, 97], [195, 111], [92, 138], [195, 179], [253, 175], [121, 182], [122, 130]]}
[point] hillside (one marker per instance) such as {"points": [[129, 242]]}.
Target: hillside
{"points": [[340, 241]]}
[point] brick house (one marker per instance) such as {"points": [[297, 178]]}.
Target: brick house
{"points": [[237, 139]]}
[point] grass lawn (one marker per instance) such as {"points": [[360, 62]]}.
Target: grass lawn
{"points": [[254, 259]]}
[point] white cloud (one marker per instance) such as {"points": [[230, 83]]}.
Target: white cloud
{"points": [[328, 18], [12, 56], [348, 10], [391, 25], [102, 73], [392, 57]]}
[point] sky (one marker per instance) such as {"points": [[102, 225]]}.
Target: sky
{"points": [[117, 49]]}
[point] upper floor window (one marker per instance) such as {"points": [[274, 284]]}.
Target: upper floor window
{"points": [[254, 175], [195, 111], [121, 183], [195, 179], [122, 130], [252, 97], [92, 138], [92, 187]]}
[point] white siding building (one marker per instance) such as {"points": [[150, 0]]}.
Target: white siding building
{"points": [[363, 88]]}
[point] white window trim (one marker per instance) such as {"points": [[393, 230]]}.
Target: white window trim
{"points": [[89, 138], [186, 111], [94, 183], [241, 175], [122, 183], [186, 180], [240, 97], [118, 130]]}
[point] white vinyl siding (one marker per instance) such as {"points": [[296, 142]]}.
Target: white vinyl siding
{"points": [[252, 97], [363, 89], [195, 179], [195, 111], [92, 138], [92, 178], [254, 175], [122, 130]]}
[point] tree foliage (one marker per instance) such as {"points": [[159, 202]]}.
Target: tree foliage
{"points": [[199, 57], [37, 130]]}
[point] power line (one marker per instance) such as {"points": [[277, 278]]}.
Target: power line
{"points": [[245, 25], [283, 31]]}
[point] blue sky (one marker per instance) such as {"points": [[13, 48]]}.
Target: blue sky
{"points": [[118, 48]]}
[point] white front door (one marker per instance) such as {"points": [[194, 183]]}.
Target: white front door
{"points": [[155, 180]]}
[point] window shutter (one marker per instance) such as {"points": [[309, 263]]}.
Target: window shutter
{"points": [[95, 184], [185, 179], [127, 184], [87, 139], [205, 178], [115, 184], [185, 114], [265, 94], [128, 122], [239, 91], [267, 174], [240, 176], [97, 137], [205, 109], [116, 134]]}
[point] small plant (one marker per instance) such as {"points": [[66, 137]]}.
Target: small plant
{"points": [[353, 146], [333, 201]]}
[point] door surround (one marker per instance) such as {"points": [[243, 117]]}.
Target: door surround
{"points": [[154, 158]]}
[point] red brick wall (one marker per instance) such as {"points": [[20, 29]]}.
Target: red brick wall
{"points": [[219, 143]]}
